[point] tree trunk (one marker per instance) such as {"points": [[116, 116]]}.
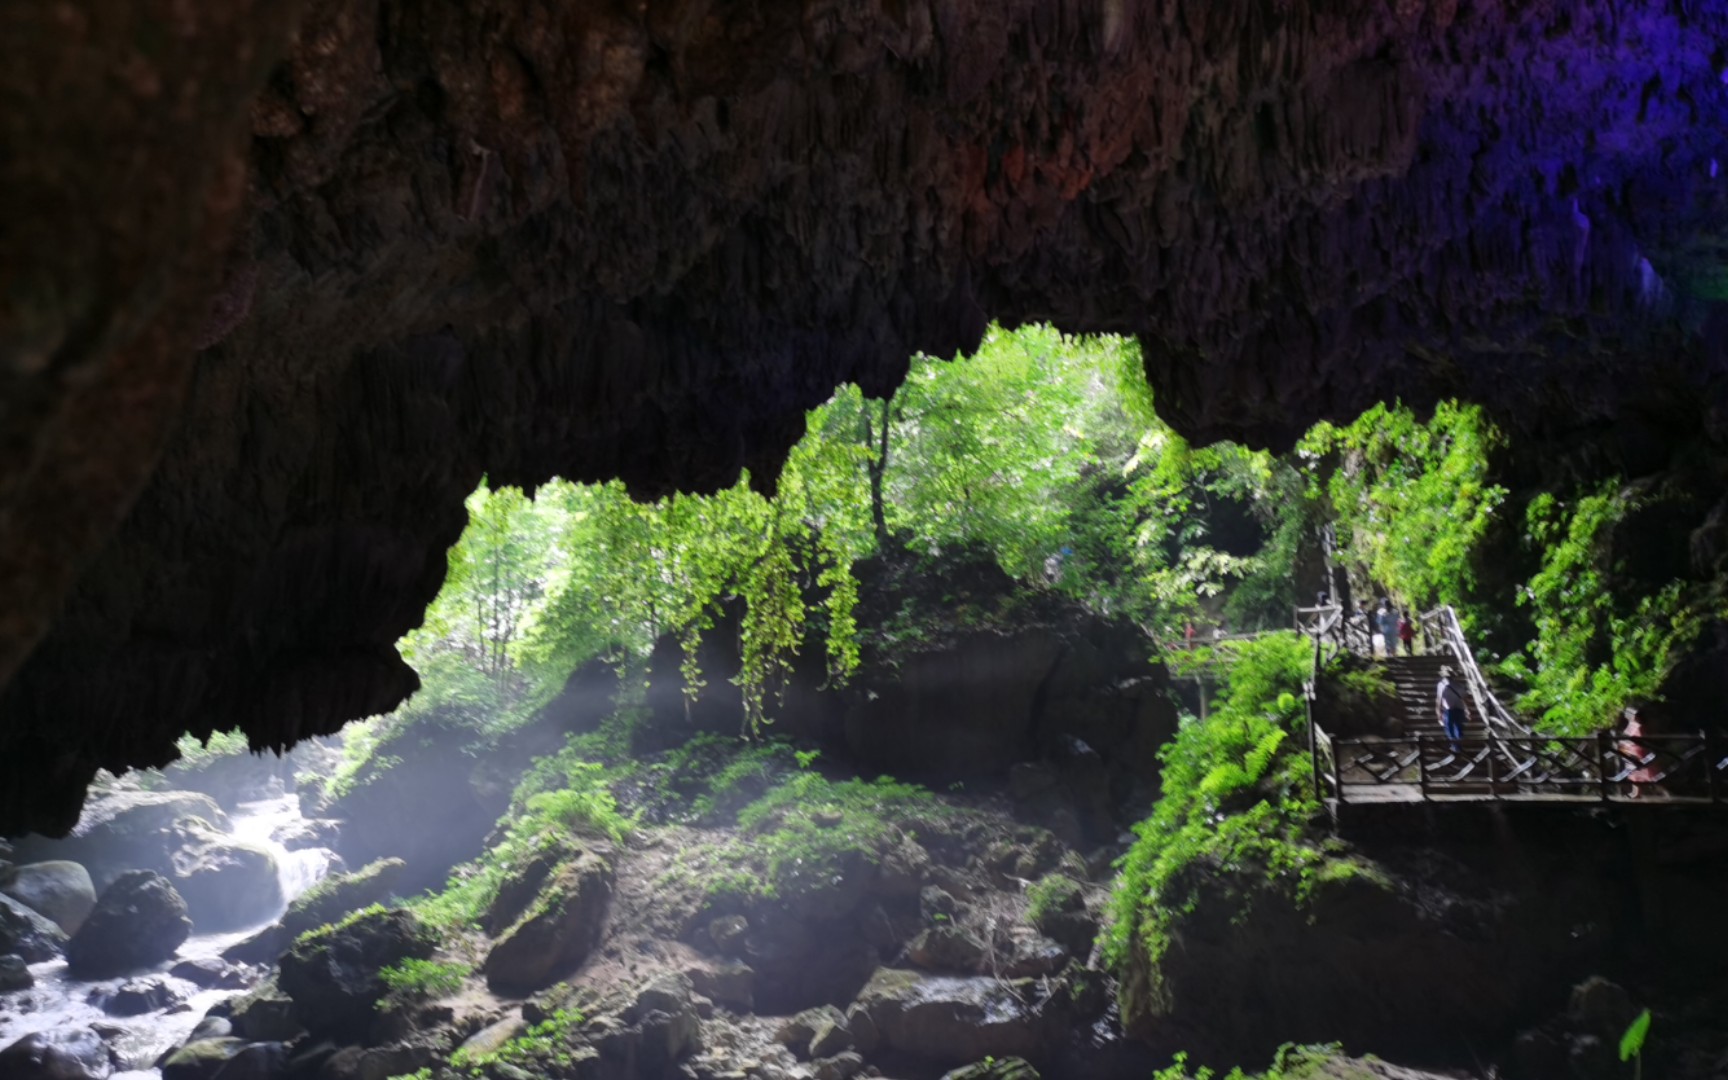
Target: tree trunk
{"points": [[878, 466]]}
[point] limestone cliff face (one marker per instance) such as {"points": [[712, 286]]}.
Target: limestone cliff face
{"points": [[283, 280]]}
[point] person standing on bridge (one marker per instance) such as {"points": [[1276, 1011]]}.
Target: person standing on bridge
{"points": [[1449, 705]]}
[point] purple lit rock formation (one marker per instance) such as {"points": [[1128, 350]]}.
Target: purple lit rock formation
{"points": [[281, 281]]}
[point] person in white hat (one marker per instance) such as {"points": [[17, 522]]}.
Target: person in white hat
{"points": [[1449, 706]]}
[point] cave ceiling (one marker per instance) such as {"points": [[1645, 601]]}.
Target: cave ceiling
{"points": [[280, 281]]}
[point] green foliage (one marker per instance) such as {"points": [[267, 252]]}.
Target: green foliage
{"points": [[1632, 1041], [545, 1045], [1592, 656], [1050, 895], [220, 744], [1316, 1062], [1412, 500], [1234, 797], [413, 979], [353, 917], [803, 833], [565, 797]]}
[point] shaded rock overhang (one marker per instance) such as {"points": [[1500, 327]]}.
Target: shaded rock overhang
{"points": [[280, 281]]}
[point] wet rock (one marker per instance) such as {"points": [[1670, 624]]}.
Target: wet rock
{"points": [[211, 974], [558, 930], [139, 920], [264, 1014], [952, 1020], [25, 933], [227, 883], [333, 977], [137, 997], [58, 889], [63, 1054], [1011, 1068], [202, 1059], [947, 947], [15, 974]]}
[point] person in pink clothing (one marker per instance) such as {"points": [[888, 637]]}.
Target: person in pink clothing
{"points": [[1634, 751]]}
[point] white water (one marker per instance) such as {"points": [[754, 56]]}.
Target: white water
{"points": [[57, 1000]]}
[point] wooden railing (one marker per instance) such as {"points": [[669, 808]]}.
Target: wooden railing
{"points": [[1500, 758], [1652, 769], [1443, 633]]}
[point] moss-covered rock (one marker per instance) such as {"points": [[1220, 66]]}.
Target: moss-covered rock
{"points": [[340, 894], [558, 929], [333, 976]]}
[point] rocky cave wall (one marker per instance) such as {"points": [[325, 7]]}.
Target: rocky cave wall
{"points": [[282, 281]]}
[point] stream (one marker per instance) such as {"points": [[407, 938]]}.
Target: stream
{"points": [[58, 1000]]}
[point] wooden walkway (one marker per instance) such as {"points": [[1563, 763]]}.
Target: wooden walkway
{"points": [[1500, 758]]}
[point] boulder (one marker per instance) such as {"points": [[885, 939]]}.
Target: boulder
{"points": [[946, 947], [15, 974], [326, 902], [264, 1014], [211, 974], [206, 1059], [25, 933], [727, 982], [948, 1020], [558, 930], [137, 997], [225, 1059], [659, 1029], [842, 1066], [138, 921], [126, 830], [59, 890], [63, 1054], [800, 1031], [333, 977], [227, 883]]}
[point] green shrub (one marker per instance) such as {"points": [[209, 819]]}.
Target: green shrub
{"points": [[1050, 895], [413, 979], [546, 1044], [541, 822], [342, 924], [1235, 796], [1593, 654]]}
